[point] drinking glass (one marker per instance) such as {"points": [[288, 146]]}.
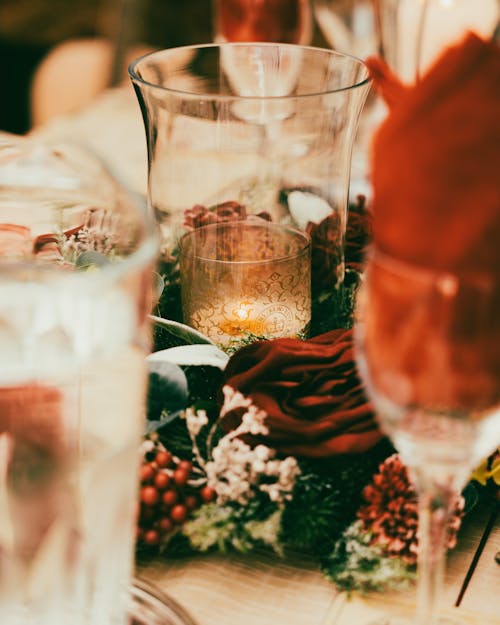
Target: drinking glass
{"points": [[285, 21], [427, 346], [412, 33], [76, 257]]}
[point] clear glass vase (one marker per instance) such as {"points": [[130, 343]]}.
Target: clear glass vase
{"points": [[238, 129]]}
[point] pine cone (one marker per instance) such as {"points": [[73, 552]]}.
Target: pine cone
{"points": [[390, 511]]}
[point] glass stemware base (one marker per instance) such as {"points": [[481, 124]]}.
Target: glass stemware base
{"points": [[150, 606]]}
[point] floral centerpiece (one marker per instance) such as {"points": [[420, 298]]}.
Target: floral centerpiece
{"points": [[274, 442]]}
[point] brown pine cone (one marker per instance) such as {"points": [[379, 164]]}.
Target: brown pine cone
{"points": [[390, 511]]}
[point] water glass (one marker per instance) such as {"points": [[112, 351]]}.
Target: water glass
{"points": [[76, 260]]}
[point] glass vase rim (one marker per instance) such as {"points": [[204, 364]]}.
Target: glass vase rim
{"points": [[298, 234], [138, 80]]}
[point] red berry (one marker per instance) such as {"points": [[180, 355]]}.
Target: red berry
{"points": [[207, 493], [151, 537], [170, 497], [181, 477], [163, 458], [185, 465], [149, 495], [147, 472], [162, 480], [178, 513], [191, 502], [166, 525]]}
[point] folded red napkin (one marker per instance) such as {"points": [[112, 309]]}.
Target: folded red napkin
{"points": [[436, 161], [433, 336]]}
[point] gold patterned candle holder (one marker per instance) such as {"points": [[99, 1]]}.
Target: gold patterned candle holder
{"points": [[246, 278]]}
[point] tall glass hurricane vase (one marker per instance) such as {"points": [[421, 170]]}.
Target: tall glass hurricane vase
{"points": [[250, 128]]}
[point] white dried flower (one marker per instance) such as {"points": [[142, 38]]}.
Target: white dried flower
{"points": [[236, 472], [99, 233], [233, 399], [195, 420]]}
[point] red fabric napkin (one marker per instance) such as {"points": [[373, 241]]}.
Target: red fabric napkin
{"points": [[433, 340], [436, 161]]}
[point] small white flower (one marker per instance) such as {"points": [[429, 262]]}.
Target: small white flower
{"points": [[196, 420]]}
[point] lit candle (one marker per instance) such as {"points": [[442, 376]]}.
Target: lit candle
{"points": [[246, 279]]}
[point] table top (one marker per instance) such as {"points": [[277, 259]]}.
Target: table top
{"points": [[223, 589], [260, 587]]}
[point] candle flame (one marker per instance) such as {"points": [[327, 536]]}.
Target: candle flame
{"points": [[242, 313]]}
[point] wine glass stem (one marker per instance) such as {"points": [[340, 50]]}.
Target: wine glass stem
{"points": [[434, 511]]}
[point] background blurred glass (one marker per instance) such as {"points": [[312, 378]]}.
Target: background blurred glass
{"points": [[348, 25], [414, 32], [281, 21]]}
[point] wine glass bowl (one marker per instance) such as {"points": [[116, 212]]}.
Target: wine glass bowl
{"points": [[427, 346], [284, 21]]}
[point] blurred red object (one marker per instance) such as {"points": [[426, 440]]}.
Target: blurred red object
{"points": [[284, 21], [435, 162]]}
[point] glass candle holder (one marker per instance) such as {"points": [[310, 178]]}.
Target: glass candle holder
{"points": [[248, 278]]}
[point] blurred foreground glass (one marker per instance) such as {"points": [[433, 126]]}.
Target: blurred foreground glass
{"points": [[428, 352], [279, 21], [246, 278], [412, 33], [266, 126], [76, 260]]}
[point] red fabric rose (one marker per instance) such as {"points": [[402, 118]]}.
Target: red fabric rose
{"points": [[311, 392]]}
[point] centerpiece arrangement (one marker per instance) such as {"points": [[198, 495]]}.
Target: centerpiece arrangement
{"points": [[273, 442], [259, 429]]}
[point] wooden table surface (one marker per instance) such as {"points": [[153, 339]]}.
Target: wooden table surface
{"points": [[262, 589]]}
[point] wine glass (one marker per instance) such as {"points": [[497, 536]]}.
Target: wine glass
{"points": [[411, 34], [427, 347], [278, 21]]}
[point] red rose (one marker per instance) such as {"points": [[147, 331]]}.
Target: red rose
{"points": [[311, 392]]}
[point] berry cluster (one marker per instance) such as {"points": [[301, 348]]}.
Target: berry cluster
{"points": [[168, 494]]}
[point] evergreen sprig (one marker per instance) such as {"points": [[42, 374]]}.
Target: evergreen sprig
{"points": [[326, 497]]}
